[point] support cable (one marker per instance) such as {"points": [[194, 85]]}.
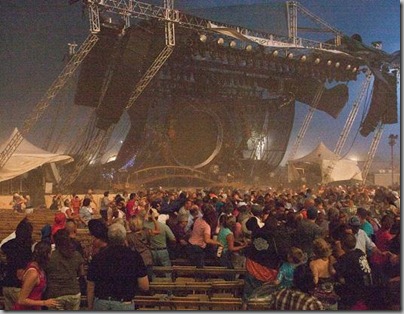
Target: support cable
{"points": [[39, 109]]}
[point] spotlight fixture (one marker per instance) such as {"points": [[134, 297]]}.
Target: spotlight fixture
{"points": [[348, 67], [337, 64], [233, 44], [329, 62], [275, 53], [303, 58], [354, 69], [317, 61], [203, 38], [248, 48], [289, 55], [220, 41]]}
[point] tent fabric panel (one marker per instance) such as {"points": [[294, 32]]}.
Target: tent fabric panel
{"points": [[27, 157]]}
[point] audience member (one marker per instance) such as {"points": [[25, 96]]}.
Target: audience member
{"points": [[127, 276], [297, 297], [286, 272], [354, 275], [18, 255], [64, 268], [34, 281]]}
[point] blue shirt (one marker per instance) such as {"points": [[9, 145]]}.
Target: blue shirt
{"points": [[368, 228], [222, 237], [285, 274]]}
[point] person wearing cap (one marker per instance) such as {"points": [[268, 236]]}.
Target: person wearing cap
{"points": [[255, 223], [99, 232], [159, 239], [363, 242], [59, 223], [115, 274]]}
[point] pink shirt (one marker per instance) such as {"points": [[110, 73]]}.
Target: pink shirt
{"points": [[201, 227]]}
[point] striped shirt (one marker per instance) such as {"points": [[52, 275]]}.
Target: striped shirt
{"points": [[291, 299]]}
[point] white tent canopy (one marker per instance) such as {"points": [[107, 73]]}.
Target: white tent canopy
{"points": [[27, 157], [319, 161]]}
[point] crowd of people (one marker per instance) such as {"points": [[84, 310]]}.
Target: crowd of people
{"points": [[332, 247]]}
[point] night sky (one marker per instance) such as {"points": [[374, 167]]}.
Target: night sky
{"points": [[33, 50]]}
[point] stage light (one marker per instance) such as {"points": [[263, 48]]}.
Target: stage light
{"points": [[220, 41], [275, 53], [248, 48], [317, 61], [329, 62], [348, 67], [337, 65], [303, 58], [203, 38], [354, 69], [233, 44], [289, 55]]}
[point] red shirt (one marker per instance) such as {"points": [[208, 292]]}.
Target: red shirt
{"points": [[76, 203], [383, 238]]}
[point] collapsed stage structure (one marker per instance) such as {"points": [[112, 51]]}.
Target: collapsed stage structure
{"points": [[208, 101]]}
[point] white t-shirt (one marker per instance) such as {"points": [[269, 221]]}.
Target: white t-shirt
{"points": [[64, 210]]}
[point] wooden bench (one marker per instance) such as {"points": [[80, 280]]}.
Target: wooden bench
{"points": [[194, 272], [209, 288], [187, 303]]}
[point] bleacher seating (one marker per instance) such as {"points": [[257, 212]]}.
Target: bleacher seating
{"points": [[187, 291]]}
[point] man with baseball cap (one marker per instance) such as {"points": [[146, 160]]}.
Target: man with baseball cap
{"points": [[363, 242]]}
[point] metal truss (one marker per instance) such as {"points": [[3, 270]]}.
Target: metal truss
{"points": [[54, 89], [352, 115], [372, 151], [292, 19], [141, 10], [307, 120], [326, 27], [161, 58], [348, 125], [150, 73]]}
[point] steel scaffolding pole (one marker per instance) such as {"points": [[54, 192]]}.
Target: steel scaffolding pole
{"points": [[161, 58], [352, 115], [307, 120], [372, 151]]}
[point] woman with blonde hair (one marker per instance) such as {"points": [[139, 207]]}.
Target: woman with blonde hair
{"points": [[323, 274], [139, 240], [322, 264]]}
